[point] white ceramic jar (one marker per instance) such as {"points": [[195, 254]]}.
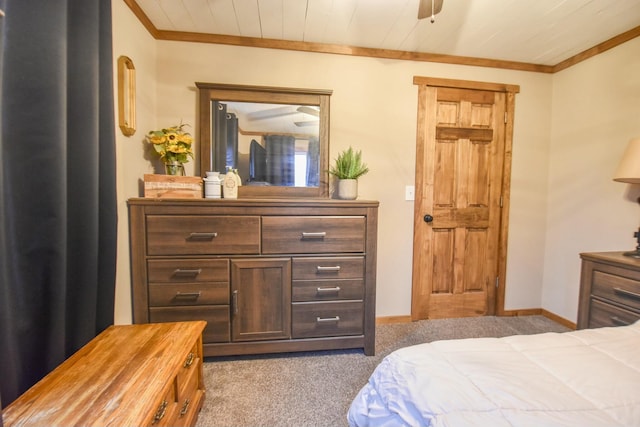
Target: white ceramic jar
{"points": [[212, 186]]}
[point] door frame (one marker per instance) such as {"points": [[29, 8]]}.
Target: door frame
{"points": [[510, 93]]}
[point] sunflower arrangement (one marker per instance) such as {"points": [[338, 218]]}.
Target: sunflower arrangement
{"points": [[173, 144]]}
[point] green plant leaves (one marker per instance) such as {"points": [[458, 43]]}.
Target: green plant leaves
{"points": [[349, 165]]}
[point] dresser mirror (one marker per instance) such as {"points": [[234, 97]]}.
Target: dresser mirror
{"points": [[276, 138]]}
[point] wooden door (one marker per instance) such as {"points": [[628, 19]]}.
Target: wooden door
{"points": [[462, 169], [261, 299]]}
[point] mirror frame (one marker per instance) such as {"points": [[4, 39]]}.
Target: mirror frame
{"points": [[209, 92]]}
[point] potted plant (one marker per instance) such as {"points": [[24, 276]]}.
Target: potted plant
{"points": [[173, 145], [348, 167]]}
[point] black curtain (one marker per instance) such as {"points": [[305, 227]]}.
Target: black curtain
{"points": [[281, 150], [219, 130], [225, 138], [313, 163], [257, 162], [58, 200], [232, 141]]}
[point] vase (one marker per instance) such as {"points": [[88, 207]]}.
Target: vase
{"points": [[348, 189], [174, 168]]}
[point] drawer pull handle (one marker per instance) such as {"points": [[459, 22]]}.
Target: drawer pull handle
{"points": [[190, 358], [162, 409], [202, 236], [188, 295], [618, 321], [329, 269], [318, 235], [235, 302], [185, 408], [334, 289], [327, 319], [187, 272], [627, 293]]}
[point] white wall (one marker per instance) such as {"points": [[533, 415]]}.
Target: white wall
{"points": [[374, 108], [596, 111], [132, 40]]}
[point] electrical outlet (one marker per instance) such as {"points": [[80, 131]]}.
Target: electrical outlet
{"points": [[409, 192]]}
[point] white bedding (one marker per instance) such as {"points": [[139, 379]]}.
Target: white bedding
{"points": [[581, 378]]}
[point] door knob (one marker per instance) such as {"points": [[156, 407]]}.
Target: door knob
{"points": [[428, 218]]}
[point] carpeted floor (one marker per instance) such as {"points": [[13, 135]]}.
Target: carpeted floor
{"points": [[316, 388]]}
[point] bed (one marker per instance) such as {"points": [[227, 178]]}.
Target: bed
{"points": [[583, 378]]}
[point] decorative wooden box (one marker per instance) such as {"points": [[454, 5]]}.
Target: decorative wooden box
{"points": [[172, 187]]}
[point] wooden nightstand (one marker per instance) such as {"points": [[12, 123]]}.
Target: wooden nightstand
{"points": [[609, 290]]}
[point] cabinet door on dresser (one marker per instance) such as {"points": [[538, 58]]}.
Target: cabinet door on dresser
{"points": [[261, 299]]}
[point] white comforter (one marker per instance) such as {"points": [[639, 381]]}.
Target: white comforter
{"points": [[579, 379]]}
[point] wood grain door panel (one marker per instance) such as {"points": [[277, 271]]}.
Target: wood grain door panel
{"points": [[261, 299], [460, 170]]}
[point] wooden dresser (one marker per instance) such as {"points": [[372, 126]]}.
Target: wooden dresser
{"points": [[130, 375], [268, 275], [609, 290]]}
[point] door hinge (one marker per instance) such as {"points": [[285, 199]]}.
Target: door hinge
{"points": [[497, 282], [505, 117]]}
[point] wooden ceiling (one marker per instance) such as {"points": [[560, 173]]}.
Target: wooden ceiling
{"points": [[537, 35]]}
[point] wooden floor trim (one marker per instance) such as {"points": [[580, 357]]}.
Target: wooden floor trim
{"points": [[392, 319], [388, 320]]}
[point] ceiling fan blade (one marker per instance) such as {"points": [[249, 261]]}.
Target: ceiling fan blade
{"points": [[270, 113], [309, 110], [425, 8], [307, 123]]}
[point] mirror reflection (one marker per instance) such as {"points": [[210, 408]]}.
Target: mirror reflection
{"points": [[268, 144], [277, 138]]}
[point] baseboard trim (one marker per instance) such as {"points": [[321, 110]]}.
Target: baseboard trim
{"points": [[387, 320], [521, 312], [392, 319], [540, 312], [558, 319]]}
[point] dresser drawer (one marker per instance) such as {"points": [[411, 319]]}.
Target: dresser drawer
{"points": [[217, 318], [190, 364], [617, 289], [603, 314], [202, 234], [189, 401], [317, 290], [163, 295], [188, 282], [326, 319], [327, 268], [166, 411], [188, 270], [188, 381], [313, 234]]}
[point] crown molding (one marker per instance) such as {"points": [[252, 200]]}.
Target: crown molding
{"points": [[336, 49]]}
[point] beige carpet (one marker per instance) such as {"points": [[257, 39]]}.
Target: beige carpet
{"points": [[316, 388]]}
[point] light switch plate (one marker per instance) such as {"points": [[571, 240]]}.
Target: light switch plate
{"points": [[409, 192]]}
